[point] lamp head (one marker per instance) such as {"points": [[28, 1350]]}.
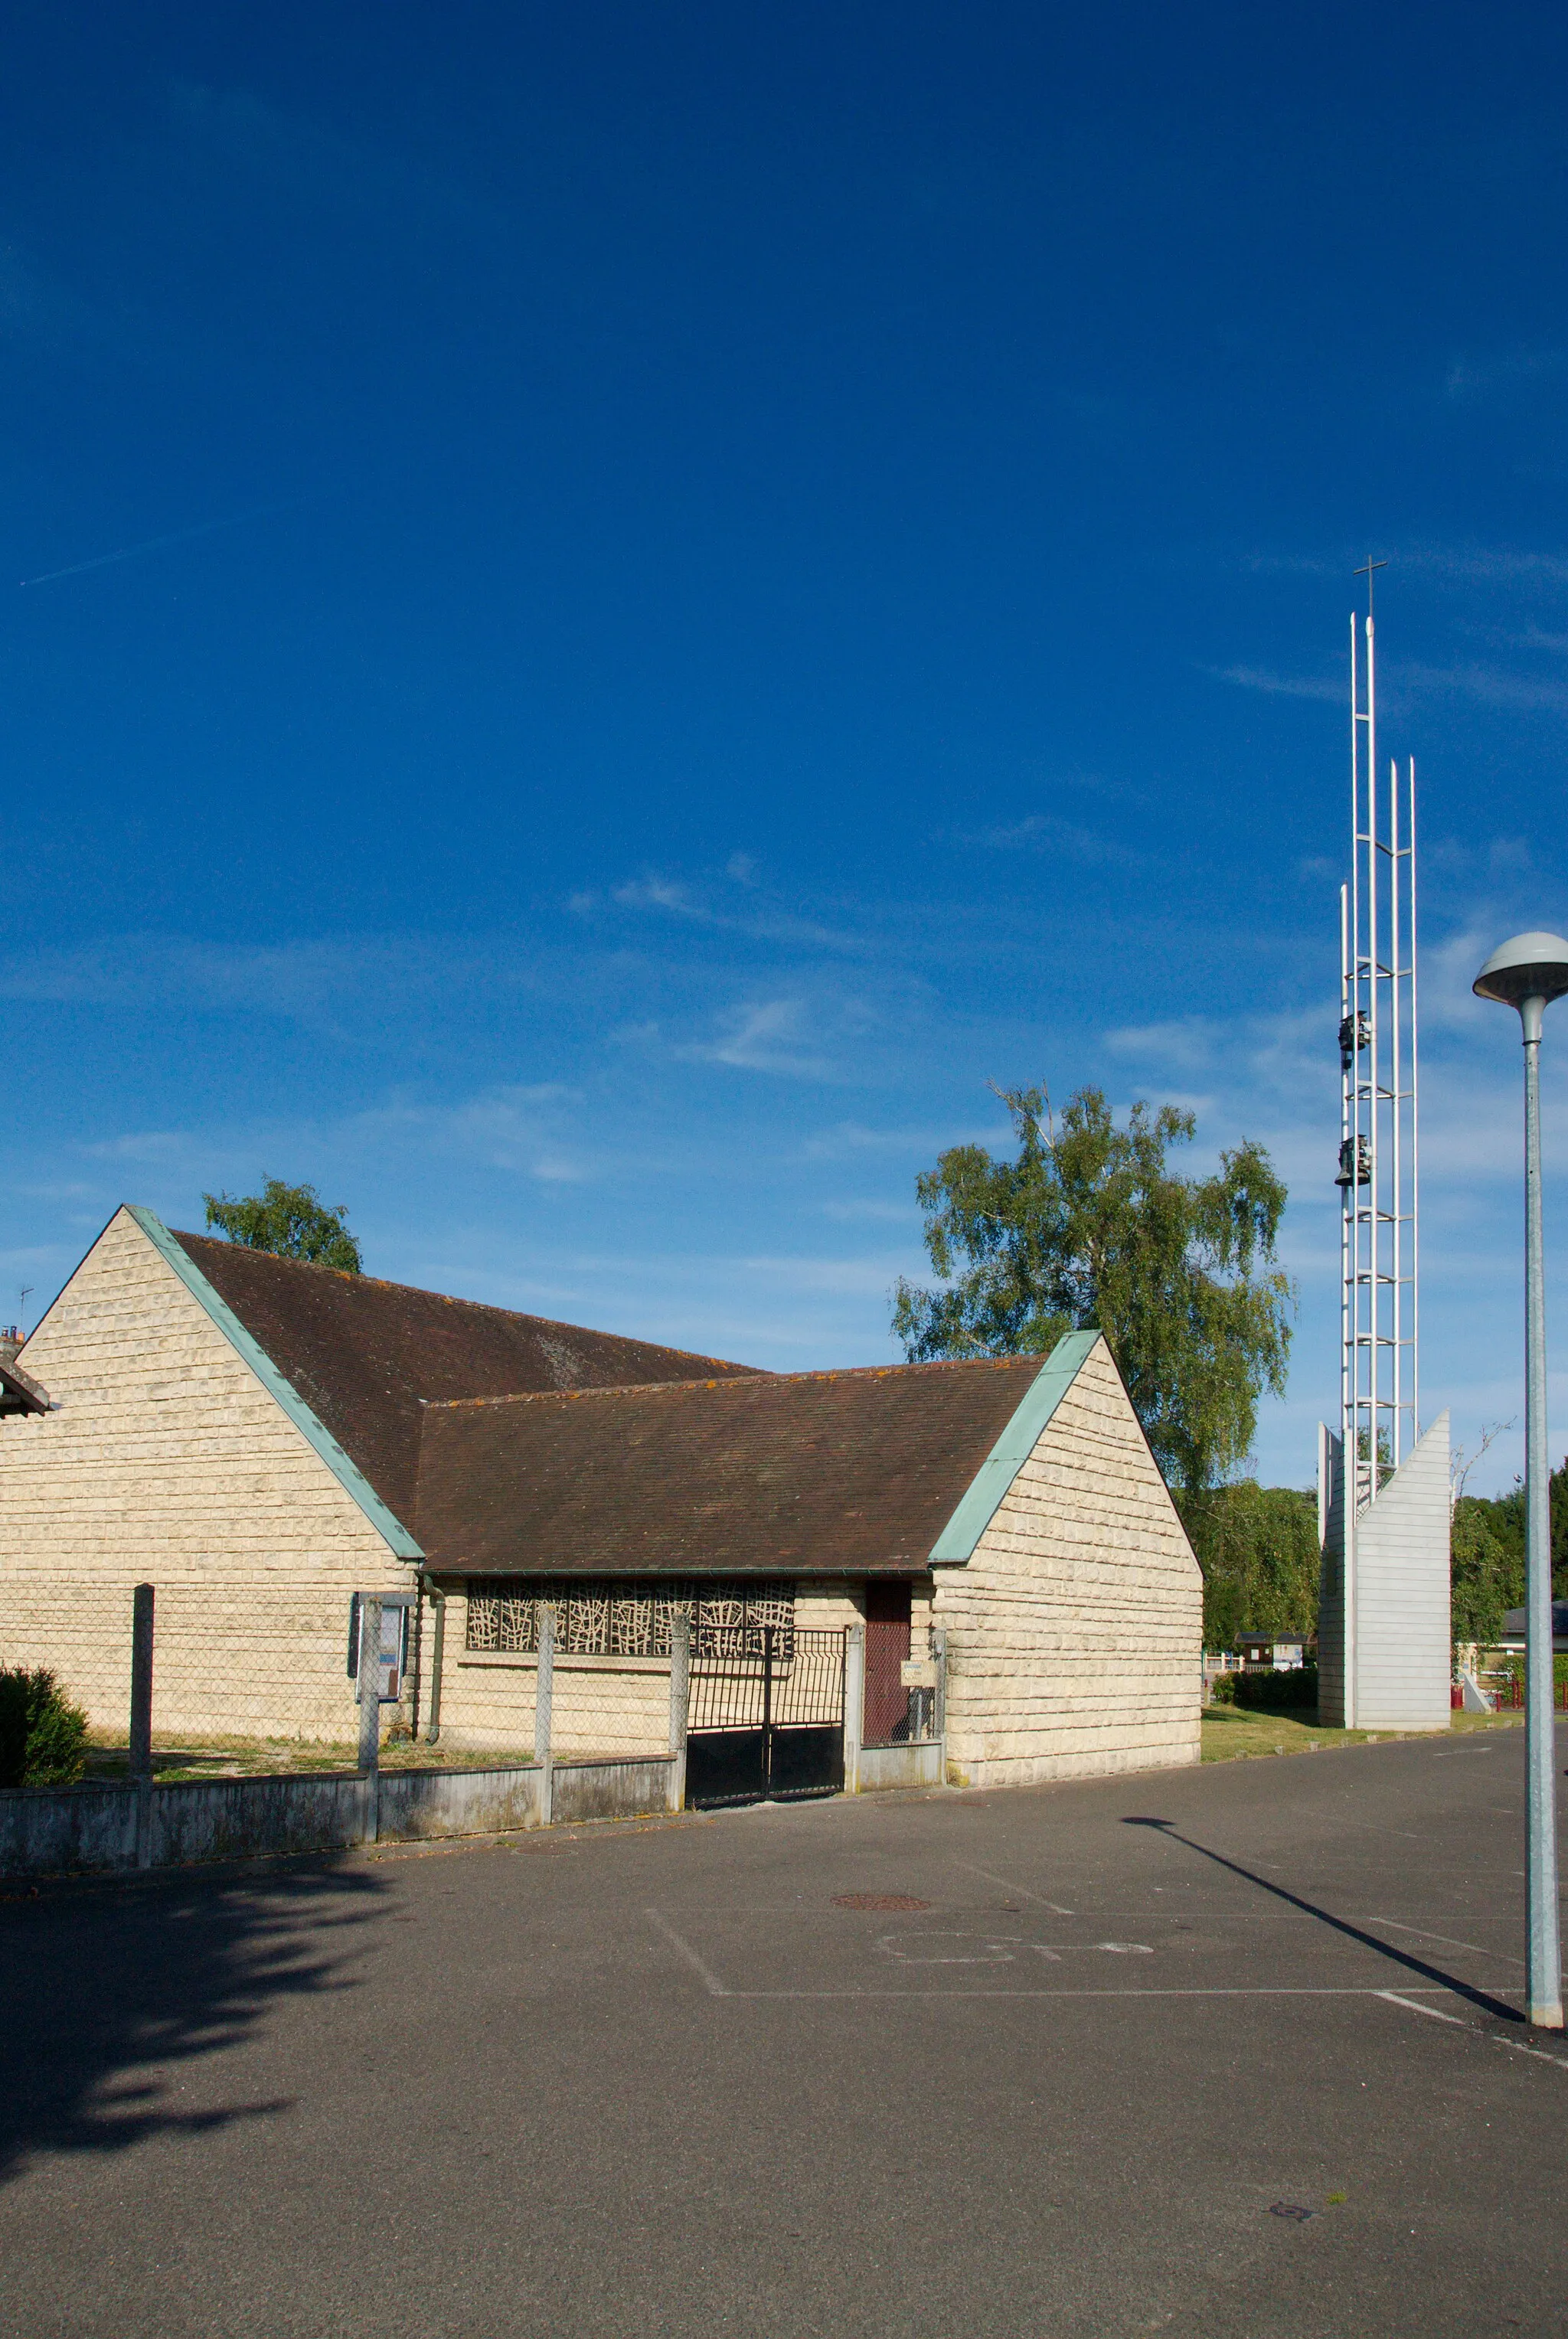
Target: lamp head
{"points": [[1527, 972]]}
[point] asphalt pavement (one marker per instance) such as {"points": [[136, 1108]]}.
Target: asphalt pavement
{"points": [[1225, 2051]]}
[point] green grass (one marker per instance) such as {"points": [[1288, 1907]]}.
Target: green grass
{"points": [[248, 1758], [1230, 1735]]}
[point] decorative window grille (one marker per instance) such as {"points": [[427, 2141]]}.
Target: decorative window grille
{"points": [[598, 1619]]}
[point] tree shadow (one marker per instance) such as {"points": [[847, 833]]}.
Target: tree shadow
{"points": [[108, 1985], [1403, 1958]]}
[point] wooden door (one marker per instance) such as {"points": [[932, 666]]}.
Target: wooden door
{"points": [[887, 1630]]}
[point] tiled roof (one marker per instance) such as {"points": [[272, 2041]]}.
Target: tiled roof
{"points": [[798, 1472], [19, 1393], [365, 1356]]}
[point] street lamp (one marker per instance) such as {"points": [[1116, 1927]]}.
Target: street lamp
{"points": [[1528, 973]]}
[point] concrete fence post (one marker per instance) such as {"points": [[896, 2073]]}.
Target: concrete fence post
{"points": [[680, 1708], [370, 1672], [544, 1695], [939, 1652], [854, 1706], [140, 1733]]}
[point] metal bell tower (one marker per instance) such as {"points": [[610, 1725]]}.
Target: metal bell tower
{"points": [[1379, 1419]]}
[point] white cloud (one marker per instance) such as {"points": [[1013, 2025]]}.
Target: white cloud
{"points": [[1487, 564], [768, 1036], [1281, 686], [1492, 686], [521, 1128], [507, 1128], [850, 1138], [1048, 832], [156, 1145], [888, 1213], [1187, 1044], [1456, 564], [851, 1274], [657, 894]]}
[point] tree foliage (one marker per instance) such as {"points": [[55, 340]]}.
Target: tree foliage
{"points": [[1505, 1518], [1484, 1576], [1257, 1548], [1089, 1226], [291, 1221], [1488, 1557]]}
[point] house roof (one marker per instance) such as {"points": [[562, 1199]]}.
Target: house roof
{"points": [[19, 1393], [365, 1357], [1514, 1621], [854, 1473]]}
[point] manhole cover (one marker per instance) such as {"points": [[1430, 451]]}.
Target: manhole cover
{"points": [[878, 1900]]}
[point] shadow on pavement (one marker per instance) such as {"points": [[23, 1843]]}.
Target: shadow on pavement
{"points": [[104, 1987], [1401, 1957]]}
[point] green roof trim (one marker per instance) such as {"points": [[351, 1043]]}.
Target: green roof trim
{"points": [[983, 1497], [348, 1474]]}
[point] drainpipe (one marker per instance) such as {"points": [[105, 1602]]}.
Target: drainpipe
{"points": [[854, 1706], [437, 1643]]}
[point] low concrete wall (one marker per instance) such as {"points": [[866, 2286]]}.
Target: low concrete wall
{"points": [[416, 1805], [45, 1831], [901, 1766], [611, 1791], [234, 1819], [88, 1830]]}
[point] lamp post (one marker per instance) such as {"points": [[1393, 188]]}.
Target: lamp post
{"points": [[1528, 973]]}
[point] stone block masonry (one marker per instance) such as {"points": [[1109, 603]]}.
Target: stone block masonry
{"points": [[1075, 1629], [164, 1460]]}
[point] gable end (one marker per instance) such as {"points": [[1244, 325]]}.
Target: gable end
{"points": [[986, 1492], [349, 1476]]}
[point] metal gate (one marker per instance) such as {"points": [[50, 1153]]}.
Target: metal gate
{"points": [[766, 1719]]}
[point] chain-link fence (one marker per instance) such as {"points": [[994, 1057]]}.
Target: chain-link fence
{"points": [[242, 1679], [266, 1678]]}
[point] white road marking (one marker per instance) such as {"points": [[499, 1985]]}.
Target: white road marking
{"points": [[985, 1948], [1265, 1990], [716, 1989], [1415, 2007], [1514, 2046], [1446, 1939], [1021, 1889], [1517, 2046], [710, 1981]]}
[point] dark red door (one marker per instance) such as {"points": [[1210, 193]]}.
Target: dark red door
{"points": [[887, 1612]]}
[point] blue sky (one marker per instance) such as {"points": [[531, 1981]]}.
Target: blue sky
{"points": [[702, 582]]}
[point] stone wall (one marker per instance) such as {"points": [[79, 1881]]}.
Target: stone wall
{"points": [[166, 1461], [1075, 1630]]}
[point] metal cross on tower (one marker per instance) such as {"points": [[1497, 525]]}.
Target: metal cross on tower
{"points": [[1378, 1131]]}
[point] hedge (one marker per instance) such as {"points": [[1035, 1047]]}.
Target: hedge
{"points": [[42, 1736], [1268, 1691]]}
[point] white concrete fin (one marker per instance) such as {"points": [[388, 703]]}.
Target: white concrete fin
{"points": [[1404, 1654]]}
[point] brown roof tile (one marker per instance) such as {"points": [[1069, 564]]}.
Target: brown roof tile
{"points": [[364, 1354], [783, 1474]]}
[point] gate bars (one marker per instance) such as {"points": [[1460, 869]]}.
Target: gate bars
{"points": [[769, 1680], [766, 1719]]}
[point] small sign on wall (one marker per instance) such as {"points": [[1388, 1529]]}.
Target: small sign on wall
{"points": [[394, 1651]]}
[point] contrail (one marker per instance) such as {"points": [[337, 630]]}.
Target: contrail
{"points": [[152, 543]]}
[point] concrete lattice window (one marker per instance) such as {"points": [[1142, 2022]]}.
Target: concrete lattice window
{"points": [[628, 1620]]}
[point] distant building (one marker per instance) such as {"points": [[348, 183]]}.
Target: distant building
{"points": [[1285, 1652], [1512, 1634]]}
